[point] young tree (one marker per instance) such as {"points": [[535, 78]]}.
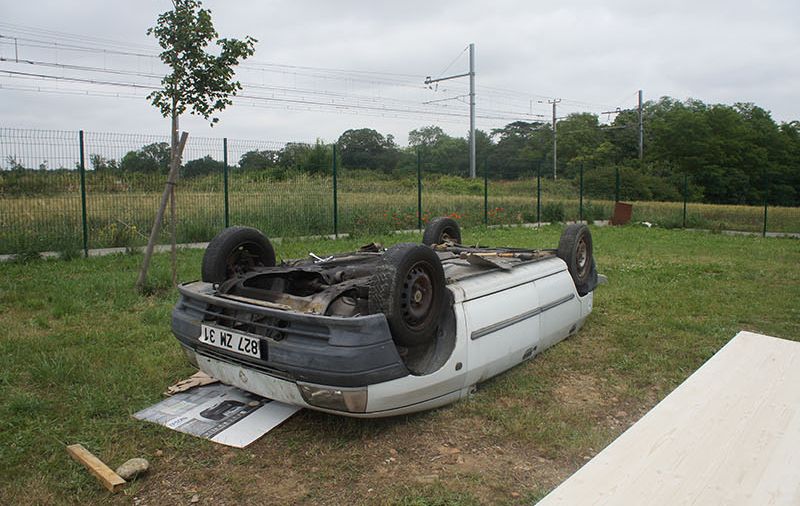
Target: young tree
{"points": [[199, 81]]}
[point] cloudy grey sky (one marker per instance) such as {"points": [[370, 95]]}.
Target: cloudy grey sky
{"points": [[322, 66]]}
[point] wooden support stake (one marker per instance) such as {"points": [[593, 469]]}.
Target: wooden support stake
{"points": [[111, 480], [171, 178]]}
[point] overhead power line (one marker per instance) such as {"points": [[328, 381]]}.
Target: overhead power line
{"points": [[65, 35], [486, 112], [266, 84], [503, 95], [326, 105]]}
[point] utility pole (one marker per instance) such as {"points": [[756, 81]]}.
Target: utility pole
{"points": [[555, 142], [472, 163], [641, 128], [471, 75]]}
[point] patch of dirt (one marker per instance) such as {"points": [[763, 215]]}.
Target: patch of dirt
{"points": [[219, 477], [400, 457], [580, 390], [316, 458]]}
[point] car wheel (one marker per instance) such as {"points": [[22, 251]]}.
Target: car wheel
{"points": [[409, 289], [575, 249], [441, 230], [235, 251]]}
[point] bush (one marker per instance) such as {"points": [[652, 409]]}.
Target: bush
{"points": [[592, 212], [553, 212], [283, 173], [662, 189], [600, 183], [457, 185], [116, 235]]}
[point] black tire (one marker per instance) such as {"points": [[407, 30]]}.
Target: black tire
{"points": [[235, 251], [409, 289], [575, 249], [441, 230]]}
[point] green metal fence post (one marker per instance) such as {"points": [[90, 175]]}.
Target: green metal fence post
{"points": [[616, 184], [486, 192], [335, 198], [539, 194], [580, 209], [766, 201], [685, 196], [225, 180], [83, 195], [419, 190]]}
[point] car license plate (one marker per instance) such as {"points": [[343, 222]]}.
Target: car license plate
{"points": [[231, 341]]}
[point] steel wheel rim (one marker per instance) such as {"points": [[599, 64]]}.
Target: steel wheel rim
{"points": [[416, 298], [446, 236], [582, 257]]}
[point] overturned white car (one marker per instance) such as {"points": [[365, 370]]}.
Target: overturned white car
{"points": [[380, 332]]}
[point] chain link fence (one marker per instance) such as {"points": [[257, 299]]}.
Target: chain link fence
{"points": [[66, 191]]}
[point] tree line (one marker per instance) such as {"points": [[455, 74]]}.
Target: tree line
{"points": [[727, 154]]}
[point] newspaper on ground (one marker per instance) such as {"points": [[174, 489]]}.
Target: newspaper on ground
{"points": [[220, 413]]}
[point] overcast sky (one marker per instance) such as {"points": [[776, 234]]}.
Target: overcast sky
{"points": [[593, 55]]}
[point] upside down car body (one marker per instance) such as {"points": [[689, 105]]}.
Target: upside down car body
{"points": [[379, 332]]}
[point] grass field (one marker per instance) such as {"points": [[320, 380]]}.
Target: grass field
{"points": [[120, 216], [81, 351]]}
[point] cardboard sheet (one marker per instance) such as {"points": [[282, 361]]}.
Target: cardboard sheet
{"points": [[220, 413]]}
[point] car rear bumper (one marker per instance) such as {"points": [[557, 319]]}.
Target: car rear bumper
{"points": [[339, 352]]}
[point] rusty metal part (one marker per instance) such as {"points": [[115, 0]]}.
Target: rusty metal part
{"points": [[257, 302], [486, 261], [506, 254], [373, 247], [338, 286]]}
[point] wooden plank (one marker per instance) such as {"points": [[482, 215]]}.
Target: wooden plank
{"points": [[729, 434], [111, 480]]}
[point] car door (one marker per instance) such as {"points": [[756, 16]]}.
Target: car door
{"points": [[560, 308], [503, 330]]}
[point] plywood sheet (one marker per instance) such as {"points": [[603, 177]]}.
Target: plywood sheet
{"points": [[729, 434]]}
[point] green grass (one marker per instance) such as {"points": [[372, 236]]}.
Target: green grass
{"points": [[81, 351], [120, 214]]}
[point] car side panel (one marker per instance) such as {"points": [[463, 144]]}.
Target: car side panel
{"points": [[411, 390], [561, 308], [503, 328]]}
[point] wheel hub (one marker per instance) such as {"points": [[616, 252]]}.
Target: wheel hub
{"points": [[242, 259], [418, 292], [581, 257]]}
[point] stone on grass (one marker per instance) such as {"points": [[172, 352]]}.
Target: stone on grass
{"points": [[133, 468]]}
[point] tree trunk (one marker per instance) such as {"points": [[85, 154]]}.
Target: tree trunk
{"points": [[175, 157]]}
